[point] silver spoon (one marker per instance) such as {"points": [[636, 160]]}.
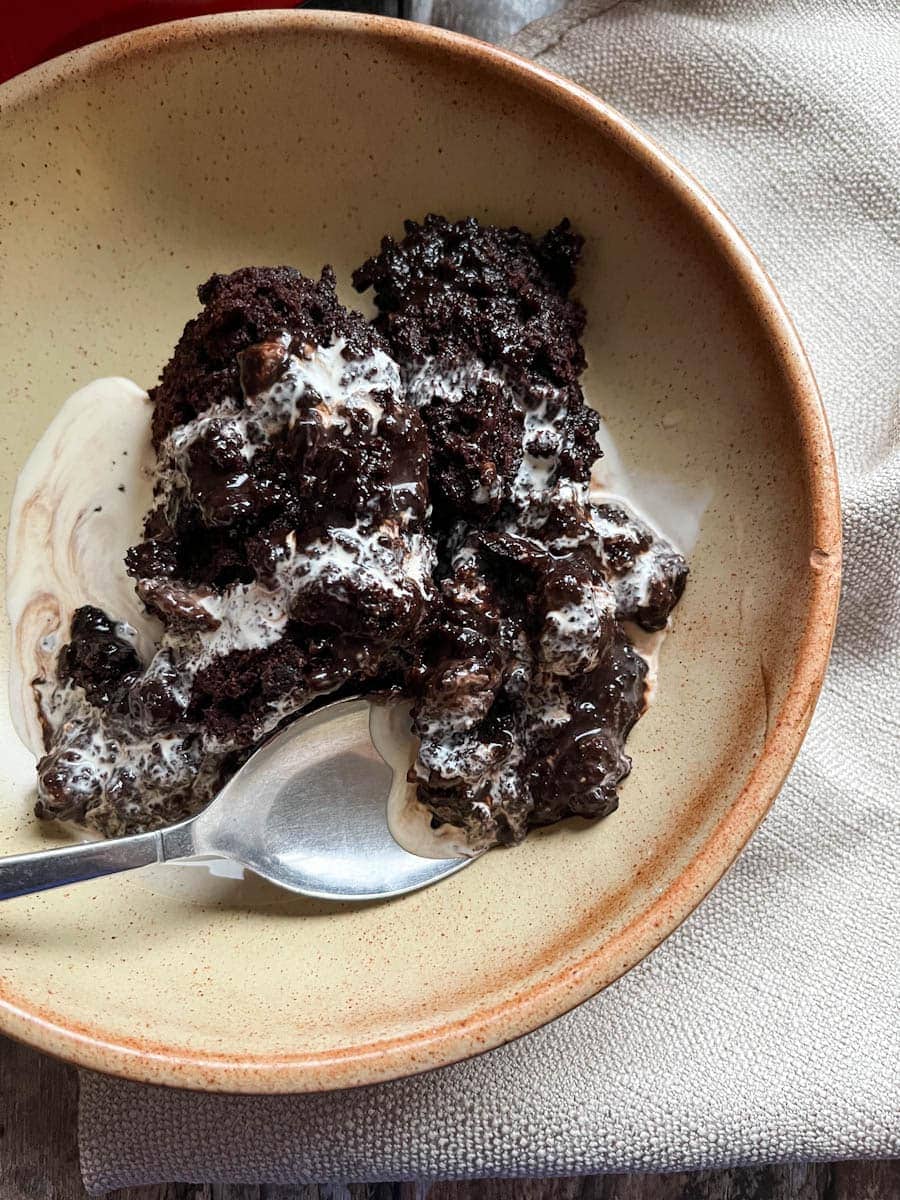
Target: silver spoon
{"points": [[307, 811]]}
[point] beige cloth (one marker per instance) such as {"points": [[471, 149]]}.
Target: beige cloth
{"points": [[767, 1027]]}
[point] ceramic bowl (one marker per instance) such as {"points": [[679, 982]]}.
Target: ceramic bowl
{"points": [[132, 170]]}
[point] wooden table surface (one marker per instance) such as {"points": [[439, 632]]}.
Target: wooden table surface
{"points": [[39, 1161]]}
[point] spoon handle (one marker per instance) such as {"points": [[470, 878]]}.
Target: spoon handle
{"points": [[24, 873]]}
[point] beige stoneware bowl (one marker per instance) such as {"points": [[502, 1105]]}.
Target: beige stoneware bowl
{"points": [[130, 171]]}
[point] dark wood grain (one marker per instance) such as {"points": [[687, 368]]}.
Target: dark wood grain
{"points": [[39, 1161], [38, 1135]]}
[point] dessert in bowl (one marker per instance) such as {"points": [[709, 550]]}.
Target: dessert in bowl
{"points": [[701, 384], [417, 509]]}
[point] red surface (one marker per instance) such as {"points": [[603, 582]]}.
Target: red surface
{"points": [[36, 30]]}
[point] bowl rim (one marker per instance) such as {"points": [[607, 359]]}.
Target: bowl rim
{"points": [[494, 1024]]}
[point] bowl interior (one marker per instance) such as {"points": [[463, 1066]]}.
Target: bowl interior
{"points": [[130, 174]]}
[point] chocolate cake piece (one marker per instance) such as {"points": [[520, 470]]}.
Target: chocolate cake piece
{"points": [[482, 323], [252, 305], [288, 553], [402, 506], [531, 686], [459, 289]]}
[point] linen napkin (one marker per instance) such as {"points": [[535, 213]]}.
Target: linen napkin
{"points": [[767, 1027]]}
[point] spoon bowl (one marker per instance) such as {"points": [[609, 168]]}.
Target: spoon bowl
{"points": [[307, 811]]}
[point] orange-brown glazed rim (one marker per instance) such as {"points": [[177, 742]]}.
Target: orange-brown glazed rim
{"points": [[492, 1025]]}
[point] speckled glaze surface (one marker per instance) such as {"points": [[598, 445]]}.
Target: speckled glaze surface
{"points": [[130, 171]]}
